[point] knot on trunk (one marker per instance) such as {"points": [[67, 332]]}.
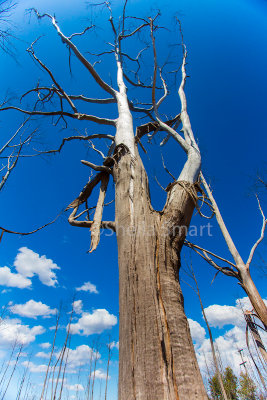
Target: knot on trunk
{"points": [[119, 151]]}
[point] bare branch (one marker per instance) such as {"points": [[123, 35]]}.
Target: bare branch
{"points": [[224, 270], [178, 137], [139, 83], [264, 222], [72, 97], [6, 9], [81, 33], [82, 198], [63, 93], [191, 245], [10, 167], [166, 169], [90, 209], [13, 137], [156, 179], [231, 246], [154, 126], [79, 116], [93, 147], [87, 190], [101, 168], [121, 37], [91, 100], [31, 232], [88, 224], [13, 158], [86, 138], [78, 54]]}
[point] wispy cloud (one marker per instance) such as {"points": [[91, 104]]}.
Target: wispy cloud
{"points": [[77, 306], [87, 287]]}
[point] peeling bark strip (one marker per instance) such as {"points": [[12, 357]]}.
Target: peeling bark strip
{"points": [[96, 225]]}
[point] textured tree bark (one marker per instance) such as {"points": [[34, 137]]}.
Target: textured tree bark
{"points": [[157, 358]]}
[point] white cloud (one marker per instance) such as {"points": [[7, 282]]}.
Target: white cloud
{"points": [[54, 327], [96, 322], [197, 331], [9, 279], [32, 309], [80, 356], [28, 263], [99, 374], [87, 287], [228, 345], [230, 341], [77, 387], [77, 306], [45, 345], [34, 368], [42, 354], [113, 345], [12, 330], [220, 316]]}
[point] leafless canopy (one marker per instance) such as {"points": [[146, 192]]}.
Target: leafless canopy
{"points": [[69, 104], [6, 8]]}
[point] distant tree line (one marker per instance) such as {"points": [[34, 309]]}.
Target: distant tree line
{"points": [[243, 388]]}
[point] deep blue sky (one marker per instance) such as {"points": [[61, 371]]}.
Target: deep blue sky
{"points": [[226, 94]]}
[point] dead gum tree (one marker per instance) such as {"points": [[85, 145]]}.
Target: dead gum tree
{"points": [[157, 358]]}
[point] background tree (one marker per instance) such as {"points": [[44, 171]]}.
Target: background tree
{"points": [[229, 382], [215, 388], [247, 389]]}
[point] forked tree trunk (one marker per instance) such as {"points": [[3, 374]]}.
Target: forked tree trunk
{"points": [[157, 358]]}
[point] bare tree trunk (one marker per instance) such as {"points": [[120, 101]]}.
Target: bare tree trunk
{"points": [[253, 295], [157, 358]]}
